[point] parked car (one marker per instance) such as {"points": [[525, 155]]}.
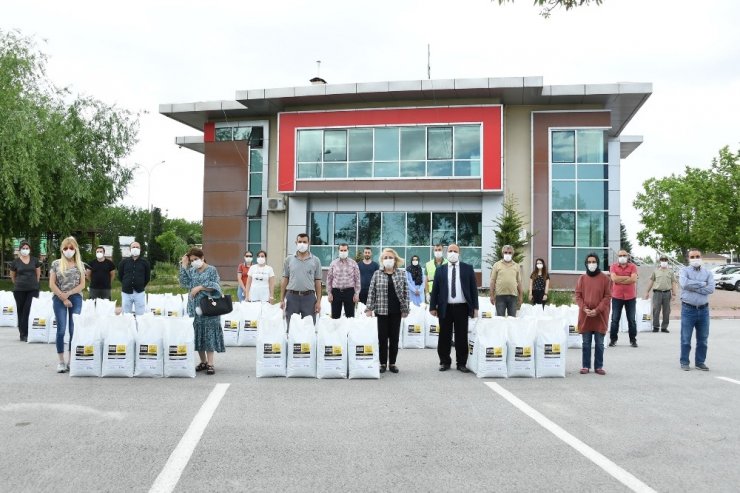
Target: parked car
{"points": [[722, 270], [730, 280]]}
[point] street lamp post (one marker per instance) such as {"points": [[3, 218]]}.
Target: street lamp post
{"points": [[149, 205]]}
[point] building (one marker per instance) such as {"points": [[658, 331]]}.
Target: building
{"points": [[414, 163]]}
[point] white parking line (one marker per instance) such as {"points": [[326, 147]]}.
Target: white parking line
{"points": [[170, 475], [607, 465], [729, 380]]}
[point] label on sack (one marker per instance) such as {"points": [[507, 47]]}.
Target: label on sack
{"points": [[8, 310], [523, 353], [433, 329], [84, 353], [486, 314], [646, 317], [273, 350], [250, 325], [333, 353], [414, 329], [494, 354], [148, 351], [116, 351], [38, 323], [231, 325], [364, 352], [552, 350], [178, 352], [173, 313], [572, 330], [301, 350], [156, 312]]}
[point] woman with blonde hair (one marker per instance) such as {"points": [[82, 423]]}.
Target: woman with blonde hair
{"points": [[66, 281], [388, 298]]}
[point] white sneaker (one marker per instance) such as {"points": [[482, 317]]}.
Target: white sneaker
{"points": [[61, 367]]}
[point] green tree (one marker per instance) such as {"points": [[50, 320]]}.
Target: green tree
{"points": [[156, 254], [172, 245], [549, 5], [117, 255], [726, 189], [624, 241], [509, 231], [191, 232], [140, 233]]}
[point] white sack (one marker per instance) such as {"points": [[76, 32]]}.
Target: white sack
{"points": [[520, 358], [571, 318], [119, 347], [150, 346], [301, 347], [104, 308], [179, 355], [39, 320], [249, 316], [412, 328], [270, 350], [331, 348], [491, 348], [472, 361], [88, 308], [87, 347], [8, 315], [231, 323], [431, 330], [551, 348], [155, 304], [172, 306], [362, 349], [644, 315]]}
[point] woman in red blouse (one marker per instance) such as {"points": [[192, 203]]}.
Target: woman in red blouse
{"points": [[593, 296]]}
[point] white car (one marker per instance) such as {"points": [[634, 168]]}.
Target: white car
{"points": [[730, 281], [724, 270]]}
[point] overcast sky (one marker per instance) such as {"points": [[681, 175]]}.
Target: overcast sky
{"points": [[140, 54]]}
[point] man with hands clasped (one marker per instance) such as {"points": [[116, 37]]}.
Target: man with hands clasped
{"points": [[300, 289]]}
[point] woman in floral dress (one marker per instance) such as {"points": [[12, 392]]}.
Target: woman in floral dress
{"points": [[202, 280]]}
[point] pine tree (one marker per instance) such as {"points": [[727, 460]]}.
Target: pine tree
{"points": [[509, 228], [624, 241], [116, 250]]}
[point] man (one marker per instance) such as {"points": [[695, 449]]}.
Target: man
{"points": [[367, 268], [134, 273], [453, 299], [431, 267], [624, 295], [300, 289], [662, 282], [343, 284], [506, 284], [100, 273], [697, 283]]}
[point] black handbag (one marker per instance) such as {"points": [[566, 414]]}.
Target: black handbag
{"points": [[214, 307]]}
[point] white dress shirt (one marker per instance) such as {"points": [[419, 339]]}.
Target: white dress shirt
{"points": [[459, 298]]}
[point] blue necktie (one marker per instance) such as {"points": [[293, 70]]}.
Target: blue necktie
{"points": [[454, 278]]}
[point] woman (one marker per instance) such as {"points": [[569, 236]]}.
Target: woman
{"points": [[241, 276], [539, 283], [66, 281], [416, 280], [202, 280], [388, 299], [261, 280], [593, 297], [25, 272]]}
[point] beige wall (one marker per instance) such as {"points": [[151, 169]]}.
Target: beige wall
{"points": [[277, 222]]}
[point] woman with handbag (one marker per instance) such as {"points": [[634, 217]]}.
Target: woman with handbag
{"points": [[205, 286]]}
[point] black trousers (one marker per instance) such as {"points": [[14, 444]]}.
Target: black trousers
{"points": [[537, 297], [23, 307], [455, 320], [363, 295], [389, 328], [342, 297]]}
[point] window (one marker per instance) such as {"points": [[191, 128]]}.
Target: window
{"points": [[440, 142], [335, 145], [255, 207], [227, 131]]}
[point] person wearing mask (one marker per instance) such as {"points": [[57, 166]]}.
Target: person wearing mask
{"points": [[100, 273], [25, 272], [261, 280], [438, 259], [506, 284], [388, 300], [454, 298], [367, 267], [242, 276], [624, 295], [593, 295], [202, 280], [539, 283], [697, 283], [66, 281], [134, 273], [416, 280], [663, 284], [300, 288], [343, 284]]}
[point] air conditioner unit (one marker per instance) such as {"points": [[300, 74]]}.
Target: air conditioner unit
{"points": [[275, 205]]}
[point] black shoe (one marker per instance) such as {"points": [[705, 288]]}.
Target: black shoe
{"points": [[24, 338], [665, 330], [382, 368], [463, 369], [444, 367], [633, 343], [612, 343], [393, 368], [655, 329]]}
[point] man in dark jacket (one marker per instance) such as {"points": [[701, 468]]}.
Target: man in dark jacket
{"points": [[134, 273]]}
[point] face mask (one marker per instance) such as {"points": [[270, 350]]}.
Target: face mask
{"points": [[302, 247], [343, 255], [695, 262], [622, 259], [69, 253], [664, 264], [452, 257], [507, 257], [247, 260], [539, 266], [197, 263], [592, 266], [135, 252], [414, 262], [25, 252], [388, 263], [261, 260], [437, 254], [99, 255]]}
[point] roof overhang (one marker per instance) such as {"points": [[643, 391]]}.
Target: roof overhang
{"points": [[627, 144], [192, 142]]}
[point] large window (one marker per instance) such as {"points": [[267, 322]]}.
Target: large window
{"points": [[409, 233], [389, 152], [579, 200]]}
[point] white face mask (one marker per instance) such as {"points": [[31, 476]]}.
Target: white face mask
{"points": [[343, 255], [414, 262], [539, 266], [197, 263], [261, 260], [437, 254], [695, 262], [622, 259], [664, 264], [453, 257], [507, 257], [99, 255], [592, 266], [247, 260], [135, 252], [388, 263], [69, 253], [302, 247], [25, 252]]}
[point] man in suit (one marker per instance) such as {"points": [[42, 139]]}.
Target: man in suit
{"points": [[454, 298]]}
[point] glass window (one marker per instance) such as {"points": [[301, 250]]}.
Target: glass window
{"points": [[592, 229], [467, 142], [321, 228], [254, 247], [394, 228], [443, 228], [439, 168], [345, 228], [255, 183], [360, 170], [386, 144], [413, 168], [256, 160], [335, 170], [335, 145], [255, 233], [423, 252], [224, 134], [563, 146], [242, 133], [563, 259], [593, 171], [564, 195], [439, 143], [584, 252], [368, 228], [309, 170], [472, 256], [467, 168], [591, 146], [255, 207], [413, 143], [310, 146], [325, 254], [563, 172], [360, 144], [387, 169], [591, 195], [469, 227], [418, 228], [256, 137], [563, 229]]}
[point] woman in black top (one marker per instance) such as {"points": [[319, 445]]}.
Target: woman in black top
{"points": [[539, 283], [25, 272]]}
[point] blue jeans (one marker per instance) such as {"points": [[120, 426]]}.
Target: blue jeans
{"points": [[694, 318], [64, 314], [629, 308], [138, 300], [240, 294], [598, 350]]}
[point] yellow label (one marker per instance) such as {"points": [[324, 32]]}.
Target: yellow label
{"points": [[88, 350], [336, 350], [556, 348], [250, 324], [42, 321], [498, 352], [276, 347], [172, 313], [527, 351], [417, 329], [120, 349], [182, 349], [368, 349], [305, 347], [152, 349], [486, 315]]}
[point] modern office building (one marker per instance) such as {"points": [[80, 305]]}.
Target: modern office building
{"points": [[414, 163]]}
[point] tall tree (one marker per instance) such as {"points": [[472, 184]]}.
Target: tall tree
{"points": [[549, 5], [624, 241], [509, 231], [156, 254], [117, 255]]}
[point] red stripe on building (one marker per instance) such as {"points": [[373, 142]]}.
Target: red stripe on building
{"points": [[209, 132]]}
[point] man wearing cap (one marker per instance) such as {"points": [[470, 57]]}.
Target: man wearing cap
{"points": [[662, 282]]}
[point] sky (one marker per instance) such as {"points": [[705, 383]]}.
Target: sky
{"points": [[138, 55]]}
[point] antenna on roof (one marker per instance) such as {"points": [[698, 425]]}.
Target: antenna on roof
{"points": [[429, 61], [318, 80]]}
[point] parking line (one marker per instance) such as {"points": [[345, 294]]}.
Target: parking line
{"points": [[170, 475], [607, 465], [729, 380]]}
